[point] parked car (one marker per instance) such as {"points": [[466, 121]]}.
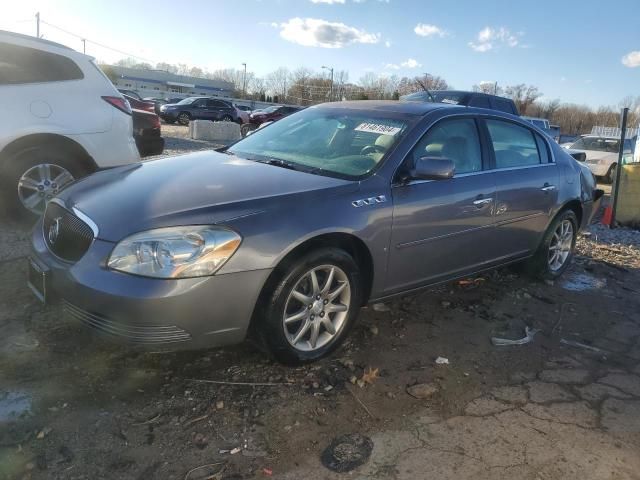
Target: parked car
{"points": [[601, 154], [147, 133], [271, 114], [287, 233], [467, 99], [543, 124], [199, 108], [244, 108], [158, 102], [63, 120], [243, 116], [140, 104], [130, 93]]}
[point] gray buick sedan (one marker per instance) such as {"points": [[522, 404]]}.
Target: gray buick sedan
{"points": [[285, 235]]}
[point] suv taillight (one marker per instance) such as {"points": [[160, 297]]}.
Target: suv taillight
{"points": [[120, 103]]}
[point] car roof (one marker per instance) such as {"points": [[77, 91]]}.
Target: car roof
{"points": [[34, 39], [395, 106]]}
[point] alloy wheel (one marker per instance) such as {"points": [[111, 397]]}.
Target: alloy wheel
{"points": [[560, 245], [317, 307], [40, 184]]}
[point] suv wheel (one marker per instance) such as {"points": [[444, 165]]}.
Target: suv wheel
{"points": [[33, 176], [556, 250], [227, 118], [184, 118], [312, 307]]}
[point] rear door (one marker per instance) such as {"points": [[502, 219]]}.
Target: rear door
{"points": [[442, 228], [527, 185], [200, 110]]}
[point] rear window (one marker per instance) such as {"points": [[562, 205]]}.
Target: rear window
{"points": [[503, 105], [20, 65]]}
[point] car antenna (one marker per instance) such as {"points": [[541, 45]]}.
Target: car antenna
{"points": [[424, 87]]}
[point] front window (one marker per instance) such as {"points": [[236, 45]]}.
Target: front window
{"points": [[346, 144]]}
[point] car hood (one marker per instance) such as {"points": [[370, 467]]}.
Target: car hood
{"points": [[200, 188]]}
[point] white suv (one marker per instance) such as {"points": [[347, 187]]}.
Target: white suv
{"points": [[61, 119]]}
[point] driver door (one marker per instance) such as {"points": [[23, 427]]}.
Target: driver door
{"points": [[443, 228]]}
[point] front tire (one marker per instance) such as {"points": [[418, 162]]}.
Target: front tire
{"points": [[555, 252], [184, 118], [227, 118], [313, 306], [611, 174]]}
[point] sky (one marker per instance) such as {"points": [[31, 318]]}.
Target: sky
{"points": [[572, 50]]}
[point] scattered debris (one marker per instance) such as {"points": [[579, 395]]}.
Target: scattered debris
{"points": [[469, 283], [370, 375], [219, 405], [442, 361], [250, 384], [381, 307], [422, 390], [267, 472], [235, 450], [347, 452], [364, 407], [200, 441], [374, 330], [147, 422], [573, 343], [578, 282], [528, 338], [210, 471], [193, 420], [43, 433]]}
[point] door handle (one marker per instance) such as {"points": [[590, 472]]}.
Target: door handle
{"points": [[548, 188], [482, 201]]}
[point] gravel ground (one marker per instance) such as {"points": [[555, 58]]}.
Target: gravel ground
{"points": [[565, 406]]}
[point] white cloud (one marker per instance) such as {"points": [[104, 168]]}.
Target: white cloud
{"points": [[409, 63], [631, 59], [313, 32], [489, 38], [427, 30], [330, 2], [387, 44]]}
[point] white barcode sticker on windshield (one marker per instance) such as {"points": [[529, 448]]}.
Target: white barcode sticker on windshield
{"points": [[377, 128]]}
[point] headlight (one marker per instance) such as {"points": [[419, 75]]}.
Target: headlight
{"points": [[175, 252]]}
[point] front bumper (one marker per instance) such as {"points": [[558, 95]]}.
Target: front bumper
{"points": [[179, 314]]}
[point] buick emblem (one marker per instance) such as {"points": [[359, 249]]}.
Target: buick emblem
{"points": [[54, 230]]}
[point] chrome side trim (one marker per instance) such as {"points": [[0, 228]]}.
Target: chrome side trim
{"points": [[86, 220]]}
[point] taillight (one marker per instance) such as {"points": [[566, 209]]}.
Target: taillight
{"points": [[156, 121], [120, 103]]}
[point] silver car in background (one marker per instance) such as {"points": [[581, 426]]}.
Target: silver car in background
{"points": [[286, 234]]}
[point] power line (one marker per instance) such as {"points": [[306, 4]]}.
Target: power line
{"points": [[96, 43]]}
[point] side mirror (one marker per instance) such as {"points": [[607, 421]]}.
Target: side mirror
{"points": [[433, 168]]}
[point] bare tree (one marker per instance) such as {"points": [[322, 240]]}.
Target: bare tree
{"points": [[278, 82], [167, 67], [488, 87], [523, 95]]}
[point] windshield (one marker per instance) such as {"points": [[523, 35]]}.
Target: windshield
{"points": [[269, 109], [601, 144], [347, 144], [187, 101]]}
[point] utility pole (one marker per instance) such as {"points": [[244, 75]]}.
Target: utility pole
{"points": [[38, 24], [244, 81], [495, 88], [84, 46], [331, 87]]}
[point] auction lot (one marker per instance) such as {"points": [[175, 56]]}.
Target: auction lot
{"points": [[74, 406]]}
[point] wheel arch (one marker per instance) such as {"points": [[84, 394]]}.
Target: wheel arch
{"points": [[49, 140], [348, 242]]}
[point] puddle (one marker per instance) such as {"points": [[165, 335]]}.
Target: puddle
{"points": [[579, 282], [13, 405]]}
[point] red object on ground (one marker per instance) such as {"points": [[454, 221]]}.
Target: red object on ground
{"points": [[606, 216]]}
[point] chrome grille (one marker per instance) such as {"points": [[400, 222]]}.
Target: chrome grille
{"points": [[67, 236]]}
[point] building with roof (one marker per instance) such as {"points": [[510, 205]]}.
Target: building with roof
{"points": [[162, 84]]}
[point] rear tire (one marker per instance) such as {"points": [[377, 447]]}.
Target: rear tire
{"points": [[227, 118], [32, 176], [555, 252], [301, 322]]}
